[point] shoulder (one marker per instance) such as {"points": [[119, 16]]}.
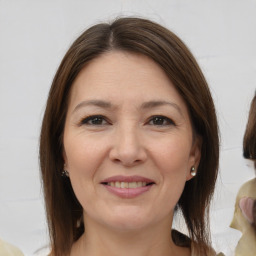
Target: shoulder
{"points": [[247, 189], [9, 250]]}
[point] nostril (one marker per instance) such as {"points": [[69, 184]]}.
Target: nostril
{"points": [[116, 160], [126, 161]]}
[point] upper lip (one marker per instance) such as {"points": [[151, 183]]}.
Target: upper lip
{"points": [[122, 178]]}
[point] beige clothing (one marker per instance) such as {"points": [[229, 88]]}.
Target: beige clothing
{"points": [[9, 250], [247, 244]]}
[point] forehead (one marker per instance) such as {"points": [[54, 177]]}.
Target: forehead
{"points": [[122, 76]]}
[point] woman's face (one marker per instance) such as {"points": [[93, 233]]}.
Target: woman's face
{"points": [[128, 143]]}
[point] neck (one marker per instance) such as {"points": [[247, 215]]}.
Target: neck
{"points": [[154, 241]]}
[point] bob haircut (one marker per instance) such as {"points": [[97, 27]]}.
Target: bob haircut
{"points": [[139, 36], [249, 143]]}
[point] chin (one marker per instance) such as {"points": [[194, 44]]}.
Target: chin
{"points": [[128, 222]]}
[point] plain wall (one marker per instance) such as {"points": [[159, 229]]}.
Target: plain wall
{"points": [[34, 35]]}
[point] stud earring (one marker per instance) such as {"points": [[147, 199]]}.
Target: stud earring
{"points": [[65, 173], [193, 171]]}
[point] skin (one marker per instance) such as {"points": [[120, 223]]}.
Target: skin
{"points": [[246, 205], [125, 89]]}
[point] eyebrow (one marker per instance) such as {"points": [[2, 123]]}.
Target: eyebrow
{"points": [[97, 103], [154, 104], [145, 105]]}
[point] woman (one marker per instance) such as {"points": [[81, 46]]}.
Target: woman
{"points": [[128, 137], [245, 208]]}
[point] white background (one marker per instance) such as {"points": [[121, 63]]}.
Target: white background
{"points": [[34, 35]]}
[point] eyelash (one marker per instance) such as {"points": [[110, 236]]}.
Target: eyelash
{"points": [[99, 119], [165, 121]]}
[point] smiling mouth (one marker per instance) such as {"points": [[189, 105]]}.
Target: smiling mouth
{"points": [[128, 187], [122, 184]]}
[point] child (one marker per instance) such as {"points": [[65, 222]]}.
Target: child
{"points": [[245, 208]]}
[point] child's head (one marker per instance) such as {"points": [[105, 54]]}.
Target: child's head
{"points": [[249, 143]]}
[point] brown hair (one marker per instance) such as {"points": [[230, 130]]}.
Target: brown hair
{"points": [[249, 143], [145, 37]]}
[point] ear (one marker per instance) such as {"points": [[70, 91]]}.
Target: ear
{"points": [[195, 155]]}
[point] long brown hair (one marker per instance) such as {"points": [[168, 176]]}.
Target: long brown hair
{"points": [[145, 37], [249, 142]]}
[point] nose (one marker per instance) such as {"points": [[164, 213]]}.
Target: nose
{"points": [[127, 148]]}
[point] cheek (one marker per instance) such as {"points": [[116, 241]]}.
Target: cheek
{"points": [[172, 160], [83, 155], [173, 157], [83, 160]]}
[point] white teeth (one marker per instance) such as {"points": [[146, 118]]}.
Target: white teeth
{"points": [[132, 185], [122, 184]]}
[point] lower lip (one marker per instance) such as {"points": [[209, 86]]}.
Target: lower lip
{"points": [[128, 192]]}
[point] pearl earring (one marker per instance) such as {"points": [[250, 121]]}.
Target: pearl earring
{"points": [[65, 173], [193, 171]]}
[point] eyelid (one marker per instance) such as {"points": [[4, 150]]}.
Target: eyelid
{"points": [[87, 119], [169, 120]]}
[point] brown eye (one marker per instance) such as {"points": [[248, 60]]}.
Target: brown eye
{"points": [[160, 120], [94, 120]]}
